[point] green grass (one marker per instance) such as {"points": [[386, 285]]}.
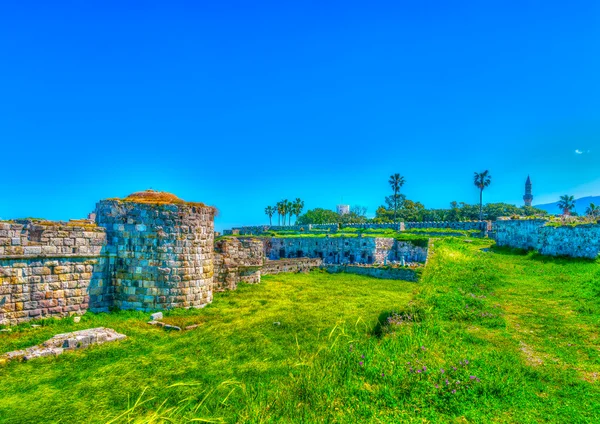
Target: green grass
{"points": [[316, 348]]}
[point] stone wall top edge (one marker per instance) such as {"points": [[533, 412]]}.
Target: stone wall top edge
{"points": [[51, 256], [158, 205], [73, 225]]}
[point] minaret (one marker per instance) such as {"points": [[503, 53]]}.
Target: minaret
{"points": [[528, 198]]}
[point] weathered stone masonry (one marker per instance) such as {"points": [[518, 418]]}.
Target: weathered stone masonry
{"points": [[50, 269], [580, 241], [161, 255], [343, 250]]}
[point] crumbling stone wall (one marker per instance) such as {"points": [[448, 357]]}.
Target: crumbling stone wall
{"points": [[50, 269], [161, 254], [237, 259], [344, 250], [291, 265], [579, 241], [454, 225], [520, 234]]}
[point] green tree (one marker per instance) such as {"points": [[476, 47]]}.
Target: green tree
{"points": [[593, 211], [270, 211], [281, 205], [481, 181], [297, 207], [567, 204], [319, 216], [396, 181]]}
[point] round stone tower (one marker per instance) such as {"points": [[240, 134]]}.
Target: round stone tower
{"points": [[160, 250]]}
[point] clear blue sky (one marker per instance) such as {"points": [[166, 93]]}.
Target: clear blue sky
{"points": [[241, 104]]}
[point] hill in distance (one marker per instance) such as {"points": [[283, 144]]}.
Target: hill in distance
{"points": [[580, 205]]}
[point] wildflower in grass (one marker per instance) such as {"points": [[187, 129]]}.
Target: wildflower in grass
{"points": [[472, 377], [442, 370], [361, 363], [423, 348], [424, 368], [362, 356], [453, 391], [419, 371], [454, 368], [437, 387], [383, 374], [447, 382]]}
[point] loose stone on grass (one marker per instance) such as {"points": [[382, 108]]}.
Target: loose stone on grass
{"points": [[67, 341]]}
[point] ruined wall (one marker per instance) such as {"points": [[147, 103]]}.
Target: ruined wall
{"points": [[454, 225], [578, 241], [406, 274], [50, 269], [399, 226], [162, 253], [341, 250], [483, 226], [291, 265], [520, 234], [235, 260]]}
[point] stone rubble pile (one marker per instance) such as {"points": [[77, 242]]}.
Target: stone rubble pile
{"points": [[65, 342]]}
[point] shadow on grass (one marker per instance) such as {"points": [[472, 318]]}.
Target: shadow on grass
{"points": [[536, 256], [388, 319]]}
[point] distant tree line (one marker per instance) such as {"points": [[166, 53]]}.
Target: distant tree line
{"points": [[397, 208]]}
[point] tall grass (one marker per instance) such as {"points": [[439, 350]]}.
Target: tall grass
{"points": [[486, 336]]}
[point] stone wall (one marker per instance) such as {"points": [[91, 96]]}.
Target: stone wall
{"points": [[291, 265], [237, 259], [399, 226], [454, 225], [162, 253], [406, 274], [50, 269], [341, 250], [520, 234], [579, 241], [483, 226]]}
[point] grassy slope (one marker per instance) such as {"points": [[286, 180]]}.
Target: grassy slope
{"points": [[526, 325]]}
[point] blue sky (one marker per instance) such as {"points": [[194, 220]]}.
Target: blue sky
{"points": [[241, 104]]}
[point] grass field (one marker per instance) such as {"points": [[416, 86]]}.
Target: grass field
{"points": [[488, 335]]}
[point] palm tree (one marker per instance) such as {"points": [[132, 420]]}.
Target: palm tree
{"points": [[297, 207], [566, 203], [593, 211], [396, 182], [270, 211], [290, 210], [481, 181], [283, 208], [280, 211]]}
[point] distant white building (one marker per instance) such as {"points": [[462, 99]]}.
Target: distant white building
{"points": [[343, 209]]}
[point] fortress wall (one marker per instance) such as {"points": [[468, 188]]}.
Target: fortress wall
{"points": [[162, 253], [290, 265], [454, 225], [235, 260], [341, 250], [51, 269], [578, 241], [483, 226], [520, 234]]}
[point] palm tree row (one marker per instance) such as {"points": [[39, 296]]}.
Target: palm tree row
{"points": [[285, 210]]}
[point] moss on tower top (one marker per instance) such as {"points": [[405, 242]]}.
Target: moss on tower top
{"points": [[154, 197]]}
